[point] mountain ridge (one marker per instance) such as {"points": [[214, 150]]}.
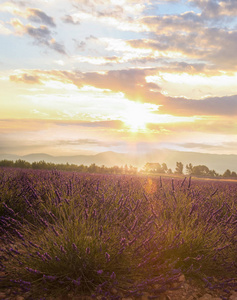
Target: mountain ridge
{"points": [[217, 162]]}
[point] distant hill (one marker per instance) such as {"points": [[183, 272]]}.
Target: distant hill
{"points": [[217, 162]]}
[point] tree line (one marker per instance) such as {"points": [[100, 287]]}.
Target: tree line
{"points": [[199, 170], [93, 168], [149, 168]]}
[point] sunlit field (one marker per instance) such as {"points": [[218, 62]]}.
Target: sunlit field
{"points": [[90, 234]]}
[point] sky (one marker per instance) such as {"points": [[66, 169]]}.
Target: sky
{"points": [[88, 76]]}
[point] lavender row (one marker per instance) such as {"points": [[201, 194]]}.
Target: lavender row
{"points": [[67, 232]]}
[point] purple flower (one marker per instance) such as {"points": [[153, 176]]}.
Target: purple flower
{"points": [[34, 245], [50, 278], [44, 222], [107, 256], [132, 241], [11, 211], [25, 282], [19, 234], [33, 271], [88, 250], [100, 272], [100, 231], [62, 249], [113, 276], [58, 196], [14, 251], [74, 247], [41, 256], [86, 214], [121, 250], [123, 241], [134, 225], [77, 282], [21, 282], [47, 256], [24, 244], [94, 213], [187, 258], [55, 231], [52, 215]]}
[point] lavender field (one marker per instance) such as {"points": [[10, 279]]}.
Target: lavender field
{"points": [[91, 234]]}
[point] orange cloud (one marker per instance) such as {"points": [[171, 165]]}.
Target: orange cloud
{"points": [[30, 79], [132, 83]]}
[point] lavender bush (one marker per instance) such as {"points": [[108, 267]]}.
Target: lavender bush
{"points": [[66, 232]]}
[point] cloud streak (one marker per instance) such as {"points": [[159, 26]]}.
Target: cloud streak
{"points": [[135, 87]]}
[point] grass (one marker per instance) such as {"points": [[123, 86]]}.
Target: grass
{"points": [[65, 232]]}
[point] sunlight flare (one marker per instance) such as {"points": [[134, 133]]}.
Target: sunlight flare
{"points": [[137, 115]]}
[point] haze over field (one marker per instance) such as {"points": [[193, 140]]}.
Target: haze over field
{"points": [[88, 76]]}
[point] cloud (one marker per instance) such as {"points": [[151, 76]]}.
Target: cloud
{"points": [[224, 46], [29, 79], [97, 60], [188, 68], [33, 14], [70, 20], [210, 106], [88, 142], [205, 126], [200, 145], [118, 14], [132, 83], [187, 22], [38, 16], [60, 48], [216, 8], [205, 146], [78, 142], [215, 46], [116, 124], [4, 30], [41, 35]]}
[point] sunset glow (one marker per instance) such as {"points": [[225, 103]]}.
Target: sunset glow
{"points": [[93, 76]]}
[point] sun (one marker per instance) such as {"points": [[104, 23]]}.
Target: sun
{"points": [[136, 117]]}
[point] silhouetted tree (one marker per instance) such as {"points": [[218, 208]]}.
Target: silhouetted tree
{"points": [[200, 170], [189, 169], [227, 173], [6, 163], [153, 168], [164, 167], [179, 168], [22, 164]]}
